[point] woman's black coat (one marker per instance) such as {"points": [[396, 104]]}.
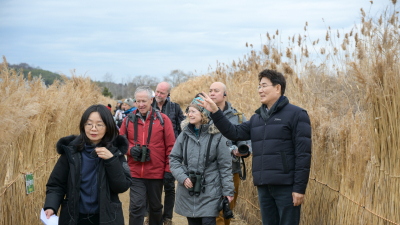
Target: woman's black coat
{"points": [[63, 187]]}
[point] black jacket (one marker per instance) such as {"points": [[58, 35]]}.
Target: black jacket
{"points": [[63, 187], [174, 113], [281, 145]]}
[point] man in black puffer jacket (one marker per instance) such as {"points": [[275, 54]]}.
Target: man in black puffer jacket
{"points": [[280, 134]]}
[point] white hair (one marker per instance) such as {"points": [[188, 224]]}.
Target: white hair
{"points": [[146, 89]]}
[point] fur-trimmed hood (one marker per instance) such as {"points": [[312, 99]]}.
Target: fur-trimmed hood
{"points": [[121, 143], [212, 129]]}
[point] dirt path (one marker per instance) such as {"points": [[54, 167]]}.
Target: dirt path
{"points": [[177, 219]]}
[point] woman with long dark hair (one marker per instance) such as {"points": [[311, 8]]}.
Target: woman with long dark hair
{"points": [[90, 173]]}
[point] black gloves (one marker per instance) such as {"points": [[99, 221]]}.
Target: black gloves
{"points": [[168, 178], [136, 152]]}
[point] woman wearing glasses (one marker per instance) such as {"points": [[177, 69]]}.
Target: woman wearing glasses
{"points": [[90, 172]]}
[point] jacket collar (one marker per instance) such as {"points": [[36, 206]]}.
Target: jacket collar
{"points": [[278, 105], [70, 142]]}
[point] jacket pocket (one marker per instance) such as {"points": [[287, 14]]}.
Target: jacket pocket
{"points": [[284, 162], [112, 213]]}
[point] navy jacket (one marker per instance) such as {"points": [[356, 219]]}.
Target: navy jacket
{"points": [[281, 145], [63, 187]]}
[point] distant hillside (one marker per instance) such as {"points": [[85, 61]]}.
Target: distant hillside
{"points": [[47, 76]]}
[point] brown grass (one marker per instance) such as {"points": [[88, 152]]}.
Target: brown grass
{"points": [[350, 89], [33, 118]]}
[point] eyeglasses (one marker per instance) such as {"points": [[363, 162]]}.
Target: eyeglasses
{"points": [[90, 126], [264, 86]]}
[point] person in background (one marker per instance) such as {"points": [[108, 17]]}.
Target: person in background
{"points": [[129, 106], [219, 94], [280, 134], [175, 114], [90, 173], [201, 150], [151, 138], [119, 114], [118, 106]]}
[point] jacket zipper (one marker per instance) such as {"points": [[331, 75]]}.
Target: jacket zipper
{"points": [[194, 198], [144, 126]]}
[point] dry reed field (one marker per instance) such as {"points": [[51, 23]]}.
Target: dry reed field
{"points": [[33, 118], [349, 84]]}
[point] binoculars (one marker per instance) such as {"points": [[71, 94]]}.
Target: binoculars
{"points": [[195, 178], [143, 149]]}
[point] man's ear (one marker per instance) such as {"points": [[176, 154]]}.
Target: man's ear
{"points": [[278, 88]]}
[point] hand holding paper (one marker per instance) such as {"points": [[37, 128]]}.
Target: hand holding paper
{"points": [[48, 217]]}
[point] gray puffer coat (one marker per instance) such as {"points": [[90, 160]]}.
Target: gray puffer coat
{"points": [[218, 175]]}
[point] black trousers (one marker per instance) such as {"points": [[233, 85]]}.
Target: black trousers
{"points": [[143, 190], [169, 199], [202, 221]]}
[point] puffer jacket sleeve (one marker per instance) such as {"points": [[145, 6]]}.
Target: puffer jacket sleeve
{"points": [[118, 173], [238, 132], [57, 184], [302, 142], [224, 161], [176, 159]]}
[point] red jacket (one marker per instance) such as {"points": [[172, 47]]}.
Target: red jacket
{"points": [[161, 142]]}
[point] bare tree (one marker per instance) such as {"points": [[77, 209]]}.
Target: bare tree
{"points": [[176, 77], [108, 79]]}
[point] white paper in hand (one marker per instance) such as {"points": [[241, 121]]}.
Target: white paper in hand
{"points": [[53, 220]]}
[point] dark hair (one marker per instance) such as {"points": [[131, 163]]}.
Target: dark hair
{"points": [[111, 128], [275, 77]]}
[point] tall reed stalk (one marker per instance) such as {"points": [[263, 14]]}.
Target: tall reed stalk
{"points": [[33, 118], [349, 84]]}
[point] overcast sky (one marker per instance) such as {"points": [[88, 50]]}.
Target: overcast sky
{"points": [[129, 38]]}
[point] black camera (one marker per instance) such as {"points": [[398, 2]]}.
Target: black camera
{"points": [[243, 148], [224, 205]]}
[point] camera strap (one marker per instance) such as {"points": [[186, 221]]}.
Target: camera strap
{"points": [[133, 118], [242, 175], [135, 126], [207, 163]]}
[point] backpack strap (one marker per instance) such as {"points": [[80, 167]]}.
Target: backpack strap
{"points": [[240, 115], [132, 118], [168, 108], [158, 114]]}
